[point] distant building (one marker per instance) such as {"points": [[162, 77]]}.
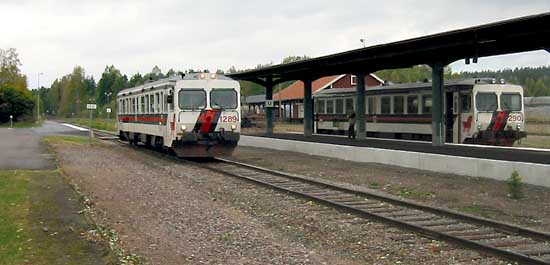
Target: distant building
{"points": [[289, 102]]}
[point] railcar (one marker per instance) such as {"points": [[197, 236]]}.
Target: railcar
{"points": [[193, 115], [477, 111]]}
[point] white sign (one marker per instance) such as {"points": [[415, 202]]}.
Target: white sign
{"points": [[108, 110], [91, 106], [269, 104]]}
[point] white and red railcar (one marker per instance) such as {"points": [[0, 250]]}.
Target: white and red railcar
{"points": [[477, 111], [193, 115]]}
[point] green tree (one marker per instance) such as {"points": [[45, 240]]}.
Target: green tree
{"points": [[15, 98], [112, 81]]}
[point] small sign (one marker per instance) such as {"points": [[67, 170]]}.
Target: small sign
{"points": [[108, 110], [269, 104], [91, 106]]}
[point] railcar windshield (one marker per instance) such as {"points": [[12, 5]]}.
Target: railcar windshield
{"points": [[486, 102], [223, 98], [192, 99], [510, 101]]}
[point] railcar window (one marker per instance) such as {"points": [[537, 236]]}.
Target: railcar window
{"points": [[466, 103], [223, 98], [385, 105], [426, 104], [321, 106], [510, 101], [371, 105], [486, 102], [330, 106], [349, 105], [412, 104], [152, 103], [339, 106], [192, 99], [398, 106], [142, 105]]}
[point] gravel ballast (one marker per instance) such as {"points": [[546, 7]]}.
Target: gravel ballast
{"points": [[176, 213]]}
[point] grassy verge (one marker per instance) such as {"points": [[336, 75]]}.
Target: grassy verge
{"points": [[39, 221], [67, 139], [21, 124], [536, 141], [100, 124]]}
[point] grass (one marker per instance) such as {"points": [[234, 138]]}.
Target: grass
{"points": [[39, 223], [21, 124], [535, 141], [100, 124], [406, 193], [67, 139], [480, 210]]}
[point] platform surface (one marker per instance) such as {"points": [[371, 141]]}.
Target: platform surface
{"points": [[528, 155]]}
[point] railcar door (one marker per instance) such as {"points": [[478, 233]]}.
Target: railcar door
{"points": [[449, 116]]}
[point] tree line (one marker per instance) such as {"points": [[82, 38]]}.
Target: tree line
{"points": [[15, 98]]}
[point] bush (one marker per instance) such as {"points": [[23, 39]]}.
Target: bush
{"points": [[14, 102], [515, 186]]}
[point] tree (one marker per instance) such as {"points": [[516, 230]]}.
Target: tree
{"points": [[15, 98], [112, 81]]}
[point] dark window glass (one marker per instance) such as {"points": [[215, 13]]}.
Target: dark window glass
{"points": [[349, 105], [223, 98], [466, 103], [192, 99], [385, 105], [321, 106], [510, 102], [486, 101], [398, 107], [142, 104], [330, 106], [339, 106], [412, 104], [426, 104], [371, 105]]}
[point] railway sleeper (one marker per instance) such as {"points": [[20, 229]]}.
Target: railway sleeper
{"points": [[505, 243], [435, 223], [534, 252], [417, 218], [471, 232], [486, 236]]}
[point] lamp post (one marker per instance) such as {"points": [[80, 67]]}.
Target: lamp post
{"points": [[364, 42], [108, 94], [38, 99]]}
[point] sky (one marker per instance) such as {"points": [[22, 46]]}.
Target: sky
{"points": [[52, 37]]}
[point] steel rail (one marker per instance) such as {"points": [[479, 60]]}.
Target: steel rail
{"points": [[371, 214]]}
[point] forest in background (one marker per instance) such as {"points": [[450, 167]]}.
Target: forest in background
{"points": [[15, 98], [68, 95]]}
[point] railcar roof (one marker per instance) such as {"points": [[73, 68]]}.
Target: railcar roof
{"points": [[405, 86], [168, 81]]}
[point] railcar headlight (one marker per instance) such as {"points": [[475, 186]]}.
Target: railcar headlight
{"points": [[233, 127], [479, 127], [203, 76], [213, 76], [183, 128], [518, 126]]}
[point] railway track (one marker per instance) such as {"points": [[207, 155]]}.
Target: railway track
{"points": [[485, 236]]}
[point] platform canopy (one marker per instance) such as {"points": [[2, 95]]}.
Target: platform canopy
{"points": [[510, 36], [438, 50]]}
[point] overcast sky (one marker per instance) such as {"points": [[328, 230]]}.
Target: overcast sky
{"points": [[54, 36]]}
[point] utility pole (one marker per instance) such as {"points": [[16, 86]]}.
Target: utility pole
{"points": [[108, 94], [364, 42], [38, 99]]}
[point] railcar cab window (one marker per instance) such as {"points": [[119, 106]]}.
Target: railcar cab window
{"points": [[192, 99], [486, 102], [330, 106], [466, 103], [510, 101], [223, 98]]}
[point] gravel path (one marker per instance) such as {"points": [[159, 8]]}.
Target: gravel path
{"points": [[174, 213]]}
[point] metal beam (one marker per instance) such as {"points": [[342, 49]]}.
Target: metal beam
{"points": [[268, 110], [438, 91], [308, 107], [547, 50], [360, 106]]}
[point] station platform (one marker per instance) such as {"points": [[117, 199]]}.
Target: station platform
{"points": [[527, 155], [492, 162]]}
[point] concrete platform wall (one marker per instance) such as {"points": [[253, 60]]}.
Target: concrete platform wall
{"points": [[536, 174]]}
